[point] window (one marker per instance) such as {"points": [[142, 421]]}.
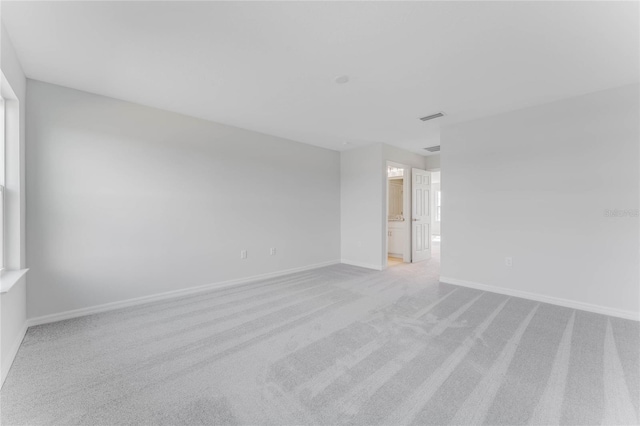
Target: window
{"points": [[1, 227], [10, 260], [2, 176], [438, 205]]}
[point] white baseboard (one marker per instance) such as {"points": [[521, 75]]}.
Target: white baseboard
{"points": [[45, 319], [620, 313], [11, 356], [361, 264]]}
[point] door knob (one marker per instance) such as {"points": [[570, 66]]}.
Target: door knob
{"points": [[415, 220]]}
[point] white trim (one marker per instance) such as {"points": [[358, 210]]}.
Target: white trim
{"points": [[567, 303], [45, 319], [9, 278], [362, 264], [8, 361]]}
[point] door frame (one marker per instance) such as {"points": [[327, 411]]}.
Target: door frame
{"points": [[406, 209]]}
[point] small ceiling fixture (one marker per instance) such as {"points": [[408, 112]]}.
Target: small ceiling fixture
{"points": [[432, 116], [341, 79], [433, 148]]}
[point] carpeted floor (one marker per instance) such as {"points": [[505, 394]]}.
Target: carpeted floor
{"points": [[338, 345]]}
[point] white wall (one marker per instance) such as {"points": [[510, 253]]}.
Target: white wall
{"points": [[13, 323], [361, 206], [432, 162], [127, 201], [435, 187], [534, 184], [13, 311], [364, 201]]}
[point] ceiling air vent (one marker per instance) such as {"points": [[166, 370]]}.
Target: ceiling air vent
{"points": [[433, 148], [432, 116]]}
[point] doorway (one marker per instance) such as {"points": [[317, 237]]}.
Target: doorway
{"points": [[398, 214]]}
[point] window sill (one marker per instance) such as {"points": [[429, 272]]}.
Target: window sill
{"points": [[9, 277]]}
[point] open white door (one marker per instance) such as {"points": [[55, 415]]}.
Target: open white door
{"points": [[420, 215]]}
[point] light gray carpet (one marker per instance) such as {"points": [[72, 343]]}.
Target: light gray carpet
{"points": [[338, 345]]}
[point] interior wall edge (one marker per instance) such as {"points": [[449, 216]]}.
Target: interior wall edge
{"points": [[362, 264], [567, 303], [76, 313]]}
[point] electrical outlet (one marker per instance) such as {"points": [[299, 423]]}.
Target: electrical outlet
{"points": [[508, 261], [243, 254], [272, 252]]}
